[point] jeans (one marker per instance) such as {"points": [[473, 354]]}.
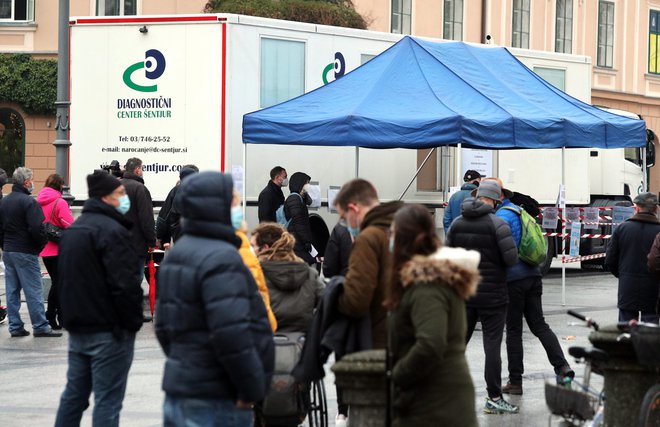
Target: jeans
{"points": [[492, 325], [98, 362], [22, 271], [627, 315], [191, 412], [525, 301]]}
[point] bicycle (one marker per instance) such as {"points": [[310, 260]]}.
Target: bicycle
{"points": [[584, 405]]}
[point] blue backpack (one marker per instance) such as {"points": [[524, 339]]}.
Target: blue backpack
{"points": [[280, 215]]}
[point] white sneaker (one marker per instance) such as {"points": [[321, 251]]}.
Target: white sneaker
{"points": [[341, 421]]}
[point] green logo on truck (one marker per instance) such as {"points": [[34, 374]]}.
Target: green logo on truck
{"points": [[154, 67]]}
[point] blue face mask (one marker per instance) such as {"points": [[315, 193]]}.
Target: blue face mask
{"points": [[124, 204], [237, 217], [353, 231]]}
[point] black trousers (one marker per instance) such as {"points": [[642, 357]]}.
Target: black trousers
{"points": [[50, 262], [492, 325], [525, 301]]}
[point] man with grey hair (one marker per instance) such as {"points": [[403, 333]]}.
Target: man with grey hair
{"points": [[627, 259], [21, 240]]}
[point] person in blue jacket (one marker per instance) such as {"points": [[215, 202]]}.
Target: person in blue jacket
{"points": [[453, 210]]}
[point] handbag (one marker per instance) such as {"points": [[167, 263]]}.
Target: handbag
{"points": [[52, 232]]}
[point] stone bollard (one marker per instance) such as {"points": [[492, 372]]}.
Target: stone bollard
{"points": [[626, 381], [361, 376]]}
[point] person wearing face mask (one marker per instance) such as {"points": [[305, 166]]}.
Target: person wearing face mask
{"points": [[295, 210], [249, 257], [272, 197], [370, 263], [101, 303], [21, 240]]}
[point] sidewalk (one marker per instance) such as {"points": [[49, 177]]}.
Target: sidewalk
{"points": [[33, 371]]}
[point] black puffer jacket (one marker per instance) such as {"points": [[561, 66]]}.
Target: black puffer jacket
{"points": [[337, 252], [20, 222], [626, 258], [270, 199], [478, 228], [141, 214], [294, 289], [295, 210], [210, 319], [98, 288]]}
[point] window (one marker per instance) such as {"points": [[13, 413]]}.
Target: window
{"points": [[401, 11], [564, 27], [605, 34], [282, 70], [116, 7], [554, 76], [16, 10], [453, 20], [654, 39], [520, 36]]}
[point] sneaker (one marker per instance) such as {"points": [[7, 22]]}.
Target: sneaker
{"points": [[565, 374], [3, 314], [47, 334], [499, 406], [19, 333], [341, 421], [515, 389]]}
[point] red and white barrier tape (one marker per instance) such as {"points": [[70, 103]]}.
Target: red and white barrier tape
{"points": [[565, 260], [582, 236]]}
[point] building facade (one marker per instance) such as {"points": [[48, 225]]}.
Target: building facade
{"points": [[621, 36], [31, 27]]}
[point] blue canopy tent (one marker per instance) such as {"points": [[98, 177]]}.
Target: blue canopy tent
{"points": [[422, 94]]}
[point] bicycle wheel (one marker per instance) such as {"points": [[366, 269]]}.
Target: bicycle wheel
{"points": [[317, 416], [649, 412]]}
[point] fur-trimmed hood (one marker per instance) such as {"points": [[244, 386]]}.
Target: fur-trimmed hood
{"points": [[453, 267]]}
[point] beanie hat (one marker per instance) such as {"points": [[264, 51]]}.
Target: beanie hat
{"points": [[490, 189], [101, 183], [186, 172]]}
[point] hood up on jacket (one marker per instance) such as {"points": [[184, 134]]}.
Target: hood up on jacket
{"points": [[456, 268], [47, 196], [298, 181], [204, 201], [287, 276], [474, 208]]}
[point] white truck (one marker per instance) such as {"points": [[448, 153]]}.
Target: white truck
{"points": [[172, 90]]}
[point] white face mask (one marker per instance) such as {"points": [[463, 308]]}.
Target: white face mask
{"points": [[285, 182]]}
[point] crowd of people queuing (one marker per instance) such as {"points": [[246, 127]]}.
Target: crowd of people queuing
{"points": [[224, 290]]}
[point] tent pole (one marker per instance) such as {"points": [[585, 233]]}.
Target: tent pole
{"points": [[357, 162], [644, 171], [417, 173], [244, 190], [459, 160], [562, 216]]}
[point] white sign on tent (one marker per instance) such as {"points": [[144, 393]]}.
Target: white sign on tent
{"points": [[478, 160]]}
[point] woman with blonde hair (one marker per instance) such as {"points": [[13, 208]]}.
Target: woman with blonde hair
{"points": [[427, 328], [294, 287]]}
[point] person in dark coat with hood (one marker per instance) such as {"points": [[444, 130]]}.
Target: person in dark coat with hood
{"points": [[478, 228], [294, 287], [211, 321], [168, 223], [295, 210], [272, 197], [626, 259], [141, 213], [101, 303]]}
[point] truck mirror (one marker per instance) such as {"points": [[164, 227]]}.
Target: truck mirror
{"points": [[650, 148]]}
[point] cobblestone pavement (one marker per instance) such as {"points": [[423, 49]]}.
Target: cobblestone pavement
{"points": [[32, 371]]}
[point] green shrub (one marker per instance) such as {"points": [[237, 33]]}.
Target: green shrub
{"points": [[32, 83], [340, 13]]}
